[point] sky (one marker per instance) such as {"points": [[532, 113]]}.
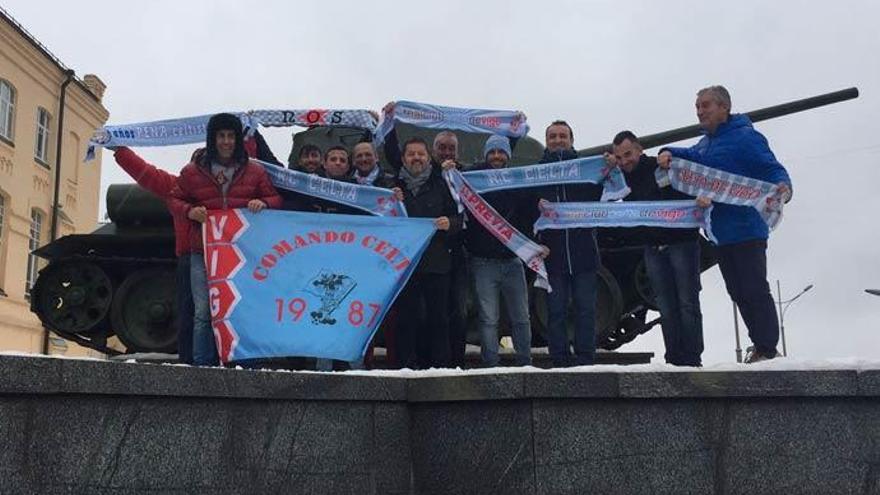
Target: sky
{"points": [[602, 66]]}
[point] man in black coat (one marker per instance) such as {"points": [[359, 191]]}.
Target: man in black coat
{"points": [[426, 195], [573, 261], [672, 256]]}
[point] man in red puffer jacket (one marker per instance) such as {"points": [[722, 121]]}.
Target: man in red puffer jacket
{"points": [[160, 183], [222, 178]]}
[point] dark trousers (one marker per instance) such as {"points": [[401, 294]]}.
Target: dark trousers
{"points": [[581, 288], [674, 271], [459, 288], [184, 311], [423, 342], [744, 268]]}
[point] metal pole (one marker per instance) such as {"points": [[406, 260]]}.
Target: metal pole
{"points": [[53, 230], [739, 352], [781, 318]]}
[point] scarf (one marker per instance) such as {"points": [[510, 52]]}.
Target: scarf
{"points": [[524, 248], [580, 170], [680, 214], [695, 179], [368, 179], [373, 200], [504, 122], [190, 130], [415, 182]]}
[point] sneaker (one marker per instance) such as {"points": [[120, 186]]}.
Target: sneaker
{"points": [[754, 356]]}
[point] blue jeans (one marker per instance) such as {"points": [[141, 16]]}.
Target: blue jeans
{"points": [[184, 311], [492, 279], [204, 343], [581, 287], [674, 271]]}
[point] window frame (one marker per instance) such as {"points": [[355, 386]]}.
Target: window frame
{"points": [[35, 233], [8, 118], [41, 136]]}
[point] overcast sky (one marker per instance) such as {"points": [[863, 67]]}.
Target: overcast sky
{"points": [[603, 66]]}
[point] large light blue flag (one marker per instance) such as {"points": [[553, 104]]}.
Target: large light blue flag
{"points": [[305, 284]]}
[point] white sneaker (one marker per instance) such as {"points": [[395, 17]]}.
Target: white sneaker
{"points": [[753, 356]]}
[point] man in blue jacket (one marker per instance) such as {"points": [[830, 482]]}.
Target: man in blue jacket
{"points": [[731, 144]]}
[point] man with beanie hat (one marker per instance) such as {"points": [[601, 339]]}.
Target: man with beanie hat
{"points": [[496, 269], [220, 178]]}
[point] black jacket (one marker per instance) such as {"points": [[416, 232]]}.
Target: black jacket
{"points": [[644, 187], [434, 200], [572, 250], [510, 204]]}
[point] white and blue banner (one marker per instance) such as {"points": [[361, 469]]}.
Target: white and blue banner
{"points": [[695, 179], [373, 200], [189, 130], [286, 283], [680, 214], [524, 248], [508, 123], [580, 170]]}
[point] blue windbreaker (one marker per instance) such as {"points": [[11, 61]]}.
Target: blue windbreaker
{"points": [[736, 147]]}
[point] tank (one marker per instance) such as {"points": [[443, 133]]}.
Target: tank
{"points": [[120, 279]]}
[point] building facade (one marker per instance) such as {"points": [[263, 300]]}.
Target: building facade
{"points": [[31, 81]]}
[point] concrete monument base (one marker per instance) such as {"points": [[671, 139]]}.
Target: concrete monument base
{"points": [[73, 426]]}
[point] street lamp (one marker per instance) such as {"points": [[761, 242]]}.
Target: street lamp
{"points": [[782, 310]]}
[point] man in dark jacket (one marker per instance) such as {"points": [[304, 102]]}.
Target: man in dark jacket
{"points": [[496, 269], [308, 161], [367, 171], [426, 195], [573, 261], [223, 178], [672, 256], [732, 145]]}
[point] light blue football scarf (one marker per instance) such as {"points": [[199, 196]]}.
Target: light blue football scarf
{"points": [[524, 248], [502, 122], [695, 179], [578, 171], [682, 214], [373, 200], [283, 283], [190, 130]]}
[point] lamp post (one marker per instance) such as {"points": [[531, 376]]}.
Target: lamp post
{"points": [[782, 310]]}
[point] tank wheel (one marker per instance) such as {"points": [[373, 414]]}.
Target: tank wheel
{"points": [[144, 312], [643, 285], [73, 297], [609, 305]]}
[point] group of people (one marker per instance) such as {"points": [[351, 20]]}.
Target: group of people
{"points": [[431, 312]]}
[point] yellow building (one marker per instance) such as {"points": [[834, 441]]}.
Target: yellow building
{"points": [[33, 84]]}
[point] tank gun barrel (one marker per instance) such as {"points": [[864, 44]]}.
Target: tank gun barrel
{"points": [[682, 133]]}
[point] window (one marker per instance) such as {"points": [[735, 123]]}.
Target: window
{"points": [[7, 109], [34, 243], [41, 148]]}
